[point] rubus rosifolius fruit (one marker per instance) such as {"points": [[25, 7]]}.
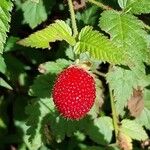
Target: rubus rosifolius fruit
{"points": [[74, 92]]}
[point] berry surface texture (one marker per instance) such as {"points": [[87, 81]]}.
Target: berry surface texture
{"points": [[74, 92]]}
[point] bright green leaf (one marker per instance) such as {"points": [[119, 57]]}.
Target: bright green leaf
{"points": [[56, 31], [138, 6], [133, 130], [5, 17], [127, 32], [98, 46]]}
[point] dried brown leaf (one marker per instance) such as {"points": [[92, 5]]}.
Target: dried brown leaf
{"points": [[124, 142], [136, 103]]}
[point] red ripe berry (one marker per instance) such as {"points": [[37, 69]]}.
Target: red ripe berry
{"points": [[74, 92]]}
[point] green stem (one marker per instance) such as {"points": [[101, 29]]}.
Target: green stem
{"points": [[73, 18], [114, 114], [100, 73], [99, 4]]}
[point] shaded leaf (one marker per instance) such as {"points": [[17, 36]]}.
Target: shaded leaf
{"points": [[11, 44], [37, 112], [100, 131], [42, 86], [62, 127], [89, 16]]}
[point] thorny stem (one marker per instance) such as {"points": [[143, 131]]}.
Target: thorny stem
{"points": [[99, 4], [73, 18], [114, 114]]}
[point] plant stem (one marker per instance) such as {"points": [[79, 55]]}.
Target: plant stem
{"points": [[99, 4], [114, 114], [100, 73], [73, 18]]}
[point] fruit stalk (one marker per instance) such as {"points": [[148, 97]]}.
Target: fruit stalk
{"points": [[73, 18]]}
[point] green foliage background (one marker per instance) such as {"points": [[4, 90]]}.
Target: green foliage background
{"points": [[37, 42]]}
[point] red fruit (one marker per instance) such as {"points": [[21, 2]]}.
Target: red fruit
{"points": [[74, 92]]}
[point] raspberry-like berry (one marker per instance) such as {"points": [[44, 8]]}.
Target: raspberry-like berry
{"points": [[74, 92]]}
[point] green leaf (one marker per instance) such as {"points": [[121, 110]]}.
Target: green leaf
{"points": [[56, 31], [85, 147], [5, 17], [127, 32], [144, 118], [147, 98], [42, 86], [54, 67], [38, 112], [89, 16], [34, 13], [100, 131], [3, 83], [138, 6], [2, 65], [133, 130], [122, 82], [98, 46], [122, 3], [62, 127], [11, 44]]}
